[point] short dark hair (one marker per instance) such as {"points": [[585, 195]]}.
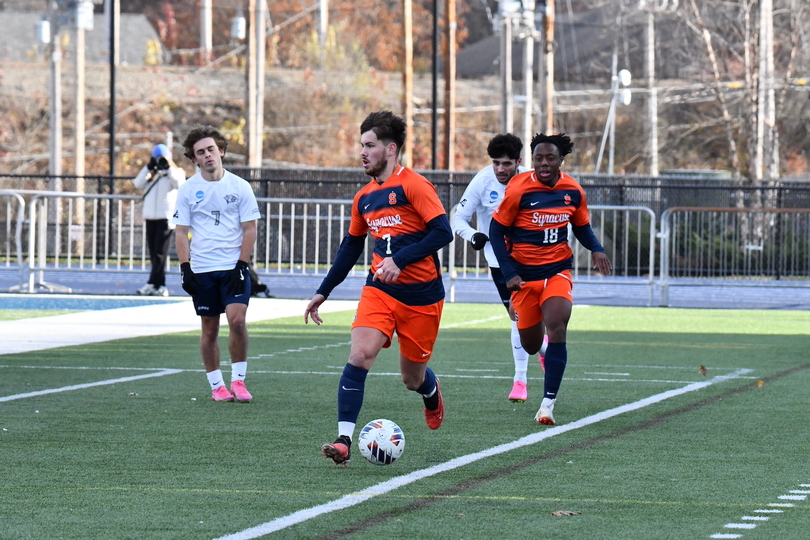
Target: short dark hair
{"points": [[200, 132], [505, 144], [387, 126], [561, 141]]}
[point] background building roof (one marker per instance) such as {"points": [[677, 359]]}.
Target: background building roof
{"points": [[18, 40]]}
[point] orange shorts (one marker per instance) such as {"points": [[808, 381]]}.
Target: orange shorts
{"points": [[416, 326], [528, 301]]}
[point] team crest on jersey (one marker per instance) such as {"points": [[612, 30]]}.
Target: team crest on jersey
{"points": [[230, 198], [392, 198], [567, 199], [493, 196]]}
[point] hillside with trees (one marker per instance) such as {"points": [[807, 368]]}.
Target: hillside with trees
{"points": [[707, 66]]}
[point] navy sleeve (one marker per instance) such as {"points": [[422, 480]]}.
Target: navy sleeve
{"points": [[497, 232], [349, 251], [584, 234], [439, 235]]}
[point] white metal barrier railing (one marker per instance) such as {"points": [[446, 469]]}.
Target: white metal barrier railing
{"points": [[70, 231], [67, 231], [628, 234], [734, 246], [14, 218], [300, 237]]}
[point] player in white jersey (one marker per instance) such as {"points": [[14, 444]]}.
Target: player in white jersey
{"points": [[218, 210], [482, 197]]}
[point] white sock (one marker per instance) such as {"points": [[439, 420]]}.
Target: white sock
{"points": [[544, 346], [521, 358], [347, 429], [238, 371], [215, 379]]}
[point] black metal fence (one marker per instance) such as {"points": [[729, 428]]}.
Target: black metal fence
{"points": [[657, 193]]}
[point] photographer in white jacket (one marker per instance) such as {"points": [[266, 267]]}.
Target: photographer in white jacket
{"points": [[159, 181]]}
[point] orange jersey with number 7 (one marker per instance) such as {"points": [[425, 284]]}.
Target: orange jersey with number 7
{"points": [[396, 213], [537, 217]]}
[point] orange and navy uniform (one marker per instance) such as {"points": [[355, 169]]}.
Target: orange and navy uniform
{"points": [[409, 224], [396, 214], [536, 218]]}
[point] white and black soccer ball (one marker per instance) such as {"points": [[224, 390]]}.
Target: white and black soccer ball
{"points": [[381, 442]]}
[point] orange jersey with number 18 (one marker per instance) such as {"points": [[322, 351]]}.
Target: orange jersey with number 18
{"points": [[537, 217]]}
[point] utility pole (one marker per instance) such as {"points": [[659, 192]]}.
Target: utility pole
{"points": [[84, 22], [407, 80], [450, 87], [653, 7], [55, 121], [652, 99], [206, 30], [548, 65], [767, 150], [527, 33], [255, 91], [434, 118], [507, 97], [113, 13], [323, 29]]}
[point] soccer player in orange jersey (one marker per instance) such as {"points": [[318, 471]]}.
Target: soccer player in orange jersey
{"points": [[404, 292], [529, 235], [481, 198]]}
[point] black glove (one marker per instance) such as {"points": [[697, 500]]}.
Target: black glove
{"points": [[152, 165], [162, 163], [188, 279], [479, 240], [235, 282]]}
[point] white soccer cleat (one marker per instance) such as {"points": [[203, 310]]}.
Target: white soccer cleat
{"points": [[545, 415]]}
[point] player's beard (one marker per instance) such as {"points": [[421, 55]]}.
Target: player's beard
{"points": [[375, 169]]}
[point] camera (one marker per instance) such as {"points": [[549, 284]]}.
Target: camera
{"points": [[160, 163]]}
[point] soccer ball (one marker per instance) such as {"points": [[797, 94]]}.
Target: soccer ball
{"points": [[381, 442]]}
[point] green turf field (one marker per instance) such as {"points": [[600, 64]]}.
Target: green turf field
{"points": [[156, 458], [16, 314]]}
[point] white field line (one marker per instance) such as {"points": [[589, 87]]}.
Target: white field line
{"points": [[382, 488], [90, 385], [479, 374]]}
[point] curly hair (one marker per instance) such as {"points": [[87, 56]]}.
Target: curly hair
{"points": [[561, 141], [505, 144], [387, 126], [199, 133]]}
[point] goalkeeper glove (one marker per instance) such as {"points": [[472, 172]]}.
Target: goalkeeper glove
{"points": [[479, 240], [235, 282], [188, 280]]}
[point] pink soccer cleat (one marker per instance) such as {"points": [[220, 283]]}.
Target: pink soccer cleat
{"points": [[221, 394], [519, 393], [240, 392]]}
